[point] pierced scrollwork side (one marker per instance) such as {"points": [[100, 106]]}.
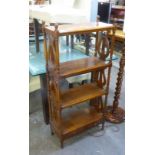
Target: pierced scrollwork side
{"points": [[52, 70], [103, 46]]}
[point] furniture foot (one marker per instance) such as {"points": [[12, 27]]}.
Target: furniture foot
{"points": [[52, 133], [62, 144], [102, 127], [116, 116]]}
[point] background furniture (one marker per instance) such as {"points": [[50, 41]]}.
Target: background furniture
{"points": [[80, 12], [112, 14], [74, 122], [117, 16], [104, 11]]}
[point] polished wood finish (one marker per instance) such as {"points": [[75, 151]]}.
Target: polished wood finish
{"points": [[115, 114], [119, 35], [81, 66], [119, 81], [74, 96], [76, 122], [81, 118]]}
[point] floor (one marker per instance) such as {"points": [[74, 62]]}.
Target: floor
{"points": [[110, 141]]}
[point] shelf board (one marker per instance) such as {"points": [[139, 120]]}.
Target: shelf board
{"points": [[81, 66], [80, 94], [80, 120]]}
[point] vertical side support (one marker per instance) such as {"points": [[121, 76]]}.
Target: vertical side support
{"points": [[109, 69]]}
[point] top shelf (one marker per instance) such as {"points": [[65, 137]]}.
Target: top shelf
{"points": [[69, 29]]}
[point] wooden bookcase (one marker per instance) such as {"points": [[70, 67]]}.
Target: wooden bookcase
{"points": [[65, 126], [117, 16]]}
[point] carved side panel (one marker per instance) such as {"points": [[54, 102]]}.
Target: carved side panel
{"points": [[105, 45], [52, 67]]}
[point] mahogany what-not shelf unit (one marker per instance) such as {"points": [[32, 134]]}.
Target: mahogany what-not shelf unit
{"points": [[99, 65]]}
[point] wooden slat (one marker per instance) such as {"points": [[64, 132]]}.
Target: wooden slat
{"points": [[85, 65], [80, 94], [80, 120]]}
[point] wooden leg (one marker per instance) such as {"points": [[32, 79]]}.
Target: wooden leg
{"points": [[70, 85], [36, 33], [67, 40], [72, 41], [43, 83], [87, 40]]}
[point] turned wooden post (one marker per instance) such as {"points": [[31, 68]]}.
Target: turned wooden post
{"points": [[119, 82], [115, 114]]}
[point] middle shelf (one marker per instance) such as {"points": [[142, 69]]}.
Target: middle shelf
{"points": [[80, 94], [80, 66]]}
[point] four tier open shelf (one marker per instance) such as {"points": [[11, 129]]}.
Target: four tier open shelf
{"points": [[76, 121]]}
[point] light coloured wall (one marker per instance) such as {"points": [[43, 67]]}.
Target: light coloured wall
{"points": [[94, 9], [89, 7]]}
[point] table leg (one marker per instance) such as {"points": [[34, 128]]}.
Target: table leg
{"points": [[87, 40], [72, 41], [43, 84], [67, 40], [36, 33]]}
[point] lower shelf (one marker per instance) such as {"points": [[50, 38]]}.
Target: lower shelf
{"points": [[80, 94], [80, 120]]}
